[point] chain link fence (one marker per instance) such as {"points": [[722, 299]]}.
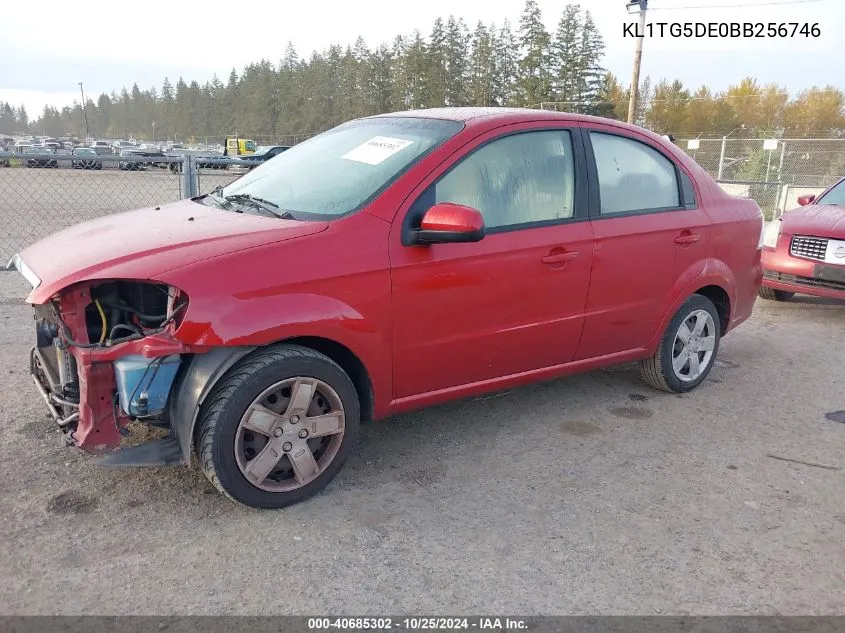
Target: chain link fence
{"points": [[41, 194], [44, 193], [773, 172]]}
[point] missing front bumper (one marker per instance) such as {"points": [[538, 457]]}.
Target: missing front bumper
{"points": [[64, 412]]}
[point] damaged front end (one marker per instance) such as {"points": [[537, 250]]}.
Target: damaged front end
{"points": [[106, 355]]}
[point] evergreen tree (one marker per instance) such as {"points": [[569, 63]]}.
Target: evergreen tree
{"points": [[590, 71], [452, 67], [457, 53], [481, 68], [534, 72], [399, 97], [99, 116], [165, 112], [381, 67], [505, 67], [8, 124], [437, 71], [22, 119], [566, 60]]}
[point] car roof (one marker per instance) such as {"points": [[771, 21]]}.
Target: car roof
{"points": [[503, 116], [508, 114]]}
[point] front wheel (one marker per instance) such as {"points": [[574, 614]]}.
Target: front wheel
{"points": [[278, 427], [688, 348], [773, 294]]}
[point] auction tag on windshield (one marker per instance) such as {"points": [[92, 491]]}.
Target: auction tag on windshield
{"points": [[377, 150]]}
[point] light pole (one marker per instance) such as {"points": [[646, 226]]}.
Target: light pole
{"points": [[84, 112], [154, 132], [635, 6]]}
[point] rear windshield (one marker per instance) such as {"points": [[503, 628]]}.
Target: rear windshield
{"points": [[342, 170]]}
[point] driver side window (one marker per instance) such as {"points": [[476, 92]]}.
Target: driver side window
{"points": [[518, 179]]}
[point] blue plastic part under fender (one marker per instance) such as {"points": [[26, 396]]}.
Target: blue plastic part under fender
{"points": [[143, 384]]}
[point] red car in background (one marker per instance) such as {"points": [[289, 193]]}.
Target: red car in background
{"points": [[804, 250], [392, 263]]}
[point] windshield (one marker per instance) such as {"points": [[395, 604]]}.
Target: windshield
{"points": [[85, 152], [340, 171], [835, 196]]}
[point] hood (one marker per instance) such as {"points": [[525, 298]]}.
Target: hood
{"points": [[821, 220], [148, 242]]}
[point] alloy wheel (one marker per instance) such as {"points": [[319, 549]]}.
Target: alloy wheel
{"points": [[695, 340], [289, 434]]}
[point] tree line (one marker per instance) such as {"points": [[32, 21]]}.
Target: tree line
{"points": [[489, 65]]}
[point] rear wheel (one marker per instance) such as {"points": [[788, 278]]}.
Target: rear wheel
{"points": [[688, 348], [278, 427], [773, 294]]}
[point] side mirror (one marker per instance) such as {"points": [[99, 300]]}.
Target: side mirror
{"points": [[448, 222], [805, 200]]}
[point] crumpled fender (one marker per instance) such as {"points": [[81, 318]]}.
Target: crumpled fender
{"points": [[196, 377], [234, 329]]}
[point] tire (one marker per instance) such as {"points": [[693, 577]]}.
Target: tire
{"points": [[659, 370], [773, 294], [222, 434]]}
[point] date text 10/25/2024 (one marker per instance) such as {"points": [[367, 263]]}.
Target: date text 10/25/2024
{"points": [[417, 624]]}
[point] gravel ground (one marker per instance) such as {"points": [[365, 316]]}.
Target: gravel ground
{"points": [[592, 494]]}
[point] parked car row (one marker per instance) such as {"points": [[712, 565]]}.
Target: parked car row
{"points": [[89, 155]]}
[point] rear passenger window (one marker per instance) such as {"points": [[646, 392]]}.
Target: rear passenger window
{"points": [[633, 176]]}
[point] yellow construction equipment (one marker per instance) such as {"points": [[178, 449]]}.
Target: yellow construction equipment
{"points": [[236, 146]]}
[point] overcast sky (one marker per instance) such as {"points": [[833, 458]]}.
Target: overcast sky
{"points": [[48, 46]]}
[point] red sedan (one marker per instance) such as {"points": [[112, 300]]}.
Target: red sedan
{"points": [[804, 250], [392, 263]]}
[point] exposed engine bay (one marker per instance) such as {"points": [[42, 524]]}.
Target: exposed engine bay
{"points": [[105, 356]]}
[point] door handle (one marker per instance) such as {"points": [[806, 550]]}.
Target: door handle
{"points": [[559, 258], [686, 239]]}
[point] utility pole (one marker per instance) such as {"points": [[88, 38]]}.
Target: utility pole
{"points": [[638, 56], [84, 112]]}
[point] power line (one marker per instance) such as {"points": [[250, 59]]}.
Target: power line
{"points": [[735, 6], [673, 100]]}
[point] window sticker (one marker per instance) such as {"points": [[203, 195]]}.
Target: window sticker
{"points": [[377, 150]]}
